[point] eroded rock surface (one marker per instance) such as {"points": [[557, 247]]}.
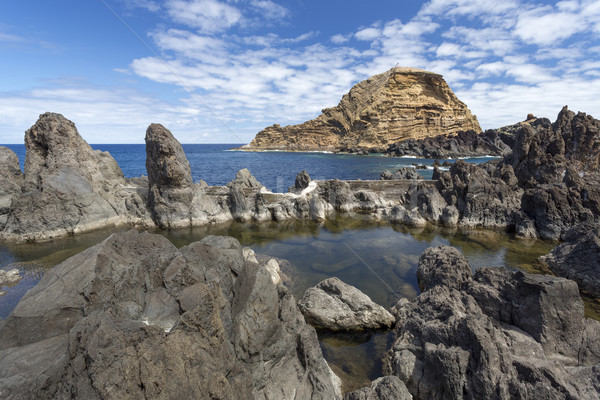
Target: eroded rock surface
{"points": [[578, 258], [336, 306], [402, 173], [11, 179], [399, 104], [385, 388], [68, 187], [133, 317], [495, 334]]}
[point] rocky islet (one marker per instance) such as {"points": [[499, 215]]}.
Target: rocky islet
{"points": [[399, 104]]}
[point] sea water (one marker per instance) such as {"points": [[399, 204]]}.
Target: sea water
{"points": [[217, 164]]}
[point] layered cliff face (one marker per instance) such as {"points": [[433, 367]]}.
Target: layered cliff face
{"points": [[400, 104]]}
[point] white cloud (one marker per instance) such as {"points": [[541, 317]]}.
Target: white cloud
{"points": [[541, 26], [269, 9], [368, 34], [339, 39], [205, 15]]}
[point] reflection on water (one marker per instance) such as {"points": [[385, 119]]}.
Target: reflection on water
{"points": [[378, 258]]}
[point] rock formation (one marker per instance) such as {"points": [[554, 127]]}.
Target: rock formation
{"points": [[11, 179], [68, 187], [496, 142], [133, 317], [336, 306], [497, 334], [399, 104], [385, 388], [402, 173], [578, 258], [174, 199]]}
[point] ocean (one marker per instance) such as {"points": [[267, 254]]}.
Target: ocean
{"points": [[277, 170]]}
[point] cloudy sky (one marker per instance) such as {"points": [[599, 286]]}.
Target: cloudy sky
{"points": [[218, 71]]}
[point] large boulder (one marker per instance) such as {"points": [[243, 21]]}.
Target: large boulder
{"points": [[497, 334], [68, 187], [578, 258], [336, 306], [133, 317]]}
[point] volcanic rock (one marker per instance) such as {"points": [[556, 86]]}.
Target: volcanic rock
{"points": [[461, 144], [134, 317], [578, 258], [67, 187], [11, 179], [174, 199], [385, 388], [9, 277], [336, 306], [399, 104], [402, 173], [496, 334]]}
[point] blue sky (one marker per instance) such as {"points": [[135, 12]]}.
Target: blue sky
{"points": [[218, 71]]}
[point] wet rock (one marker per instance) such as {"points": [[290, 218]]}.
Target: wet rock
{"points": [[336, 306], [497, 334], [135, 317], [578, 258], [67, 187], [385, 388], [402, 173], [9, 277]]}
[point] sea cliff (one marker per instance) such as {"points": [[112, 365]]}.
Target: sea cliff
{"points": [[399, 104]]}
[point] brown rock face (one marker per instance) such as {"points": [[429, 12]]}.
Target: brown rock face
{"points": [[402, 103]]}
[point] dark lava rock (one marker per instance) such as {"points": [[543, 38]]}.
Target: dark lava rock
{"points": [[67, 187], [336, 306], [578, 258], [385, 388], [402, 173], [11, 179], [171, 188], [301, 183], [463, 144], [244, 179], [134, 317], [500, 334]]}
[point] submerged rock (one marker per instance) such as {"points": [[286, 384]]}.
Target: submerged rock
{"points": [[134, 317], [9, 277], [336, 306], [495, 334]]}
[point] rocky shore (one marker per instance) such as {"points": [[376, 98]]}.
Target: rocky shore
{"points": [[547, 185]]}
